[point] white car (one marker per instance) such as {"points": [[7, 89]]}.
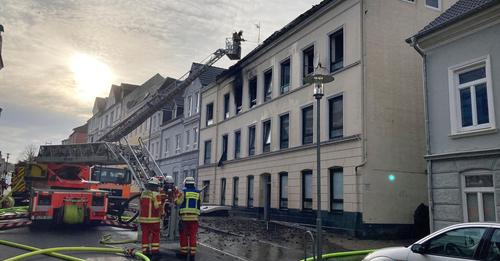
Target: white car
{"points": [[467, 241]]}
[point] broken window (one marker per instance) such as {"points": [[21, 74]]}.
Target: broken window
{"points": [[308, 61], [266, 136], [268, 85], [252, 92], [226, 106]]}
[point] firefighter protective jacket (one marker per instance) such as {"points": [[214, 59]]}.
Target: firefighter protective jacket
{"points": [[150, 207], [189, 201]]}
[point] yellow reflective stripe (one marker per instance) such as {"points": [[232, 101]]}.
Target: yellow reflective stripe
{"points": [[149, 220], [184, 247], [155, 248], [155, 244], [189, 218], [192, 195]]}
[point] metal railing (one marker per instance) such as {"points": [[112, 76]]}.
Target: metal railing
{"points": [[310, 234]]}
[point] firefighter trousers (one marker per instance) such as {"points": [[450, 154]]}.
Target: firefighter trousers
{"points": [[150, 237], [188, 231]]}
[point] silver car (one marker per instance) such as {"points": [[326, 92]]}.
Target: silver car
{"points": [[467, 241]]}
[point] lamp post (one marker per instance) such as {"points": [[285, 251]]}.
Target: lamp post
{"points": [[318, 81]]}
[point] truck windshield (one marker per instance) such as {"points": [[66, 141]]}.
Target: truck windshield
{"points": [[109, 175]]}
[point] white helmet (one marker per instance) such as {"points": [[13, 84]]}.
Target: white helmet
{"points": [[169, 179], [154, 181], [189, 181]]}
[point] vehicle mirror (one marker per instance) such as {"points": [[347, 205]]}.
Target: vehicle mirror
{"points": [[418, 248]]}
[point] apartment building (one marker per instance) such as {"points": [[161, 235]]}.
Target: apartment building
{"points": [[78, 136], [257, 120], [174, 138], [122, 101], [462, 52]]}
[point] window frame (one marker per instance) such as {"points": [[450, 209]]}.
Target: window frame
{"points": [[303, 124], [438, 8], [267, 86], [479, 191], [331, 174], [288, 61], [207, 160], [303, 185], [188, 139], [281, 199], [305, 50], [265, 146], [223, 188], [209, 121], [454, 96], [236, 184], [167, 145], [287, 114], [178, 142], [190, 103], [226, 112], [330, 37], [206, 192], [224, 147], [250, 198], [330, 123], [251, 149], [252, 102], [237, 145]]}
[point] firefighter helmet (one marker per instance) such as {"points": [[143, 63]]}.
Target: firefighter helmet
{"points": [[189, 181], [169, 179], [154, 181]]}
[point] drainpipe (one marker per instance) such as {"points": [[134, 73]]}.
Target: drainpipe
{"points": [[416, 46]]}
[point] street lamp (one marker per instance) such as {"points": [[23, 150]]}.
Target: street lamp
{"points": [[318, 81]]}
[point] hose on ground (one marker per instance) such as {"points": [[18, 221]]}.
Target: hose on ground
{"points": [[52, 252], [30, 248], [16, 210], [106, 240], [333, 256]]}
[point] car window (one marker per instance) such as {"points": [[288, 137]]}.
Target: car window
{"points": [[494, 249], [461, 243]]}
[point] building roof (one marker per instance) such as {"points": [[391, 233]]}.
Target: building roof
{"points": [[276, 35], [460, 10], [209, 75], [100, 103], [81, 129]]}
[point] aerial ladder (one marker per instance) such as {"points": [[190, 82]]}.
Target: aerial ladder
{"points": [[114, 149]]}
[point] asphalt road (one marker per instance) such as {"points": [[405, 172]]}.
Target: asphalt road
{"points": [[90, 236]]}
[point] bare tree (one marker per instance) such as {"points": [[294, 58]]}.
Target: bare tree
{"points": [[29, 152]]}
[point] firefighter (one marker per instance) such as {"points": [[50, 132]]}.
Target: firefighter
{"points": [[189, 202], [150, 217]]}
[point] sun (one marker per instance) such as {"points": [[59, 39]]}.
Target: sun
{"points": [[92, 77]]}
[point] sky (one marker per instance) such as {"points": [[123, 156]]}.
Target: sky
{"points": [[60, 54]]}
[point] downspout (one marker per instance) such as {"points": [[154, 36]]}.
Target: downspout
{"points": [[363, 115], [416, 46]]}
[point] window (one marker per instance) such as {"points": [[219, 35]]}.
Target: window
{"points": [[472, 101], [435, 4], [266, 136], [226, 106], [235, 191], [251, 140], [479, 197], [336, 189], [336, 117], [268, 85], [188, 137], [493, 252], [206, 191], [237, 144], [459, 243], [252, 92], [337, 50], [307, 190], [224, 148], [283, 190], [210, 114], [197, 102], [208, 152], [285, 76], [189, 104], [307, 125], [177, 143], [195, 136], [175, 175], [284, 130], [308, 61], [250, 192], [223, 191], [238, 99]]}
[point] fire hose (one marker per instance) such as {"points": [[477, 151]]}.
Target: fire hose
{"points": [[52, 252]]}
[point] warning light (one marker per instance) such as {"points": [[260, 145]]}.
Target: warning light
{"points": [[392, 178]]}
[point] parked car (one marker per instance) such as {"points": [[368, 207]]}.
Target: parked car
{"points": [[466, 241]]}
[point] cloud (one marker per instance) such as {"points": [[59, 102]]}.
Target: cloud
{"points": [[136, 39]]}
